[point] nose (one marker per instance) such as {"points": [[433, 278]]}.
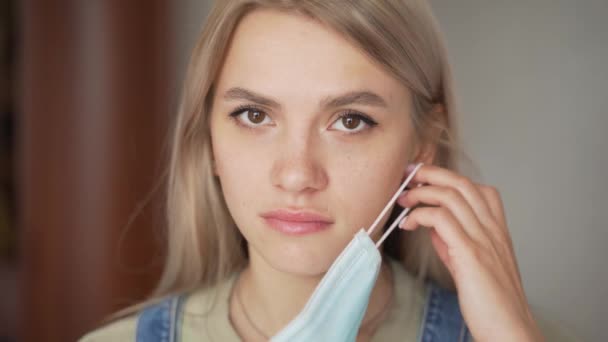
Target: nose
{"points": [[298, 167]]}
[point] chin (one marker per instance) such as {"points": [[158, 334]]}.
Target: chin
{"points": [[304, 256]]}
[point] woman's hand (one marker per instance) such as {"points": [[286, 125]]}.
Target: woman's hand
{"points": [[469, 233]]}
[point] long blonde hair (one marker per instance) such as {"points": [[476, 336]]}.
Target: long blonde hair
{"points": [[204, 245]]}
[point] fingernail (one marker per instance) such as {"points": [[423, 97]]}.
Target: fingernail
{"points": [[402, 223]]}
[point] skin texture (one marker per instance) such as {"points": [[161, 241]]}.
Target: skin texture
{"points": [[298, 154], [470, 234], [302, 156]]}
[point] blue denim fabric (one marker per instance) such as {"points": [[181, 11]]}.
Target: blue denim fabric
{"points": [[442, 320], [160, 322]]}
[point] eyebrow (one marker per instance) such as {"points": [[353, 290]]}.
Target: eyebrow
{"points": [[360, 97]]}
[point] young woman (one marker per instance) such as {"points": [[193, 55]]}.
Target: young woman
{"points": [[299, 120]]}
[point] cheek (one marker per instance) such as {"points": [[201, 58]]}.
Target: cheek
{"points": [[363, 184], [239, 170], [233, 160]]}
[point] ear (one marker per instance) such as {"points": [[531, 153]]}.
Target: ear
{"points": [[425, 152]]}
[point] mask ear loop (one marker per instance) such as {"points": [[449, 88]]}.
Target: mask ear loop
{"points": [[389, 204], [393, 226]]}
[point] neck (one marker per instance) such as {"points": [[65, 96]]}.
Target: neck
{"points": [[273, 298]]}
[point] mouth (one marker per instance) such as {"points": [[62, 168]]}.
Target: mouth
{"points": [[300, 222]]}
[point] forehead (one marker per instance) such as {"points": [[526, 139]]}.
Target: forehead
{"points": [[274, 52]]}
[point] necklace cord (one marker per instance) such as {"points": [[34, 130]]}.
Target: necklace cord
{"points": [[387, 305]]}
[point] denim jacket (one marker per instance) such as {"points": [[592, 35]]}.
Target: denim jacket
{"points": [[442, 320]]}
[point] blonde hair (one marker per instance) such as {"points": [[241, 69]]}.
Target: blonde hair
{"points": [[204, 244]]}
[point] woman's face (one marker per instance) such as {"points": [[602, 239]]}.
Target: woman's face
{"points": [[303, 121]]}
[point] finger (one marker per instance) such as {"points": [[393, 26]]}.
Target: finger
{"points": [[443, 222], [494, 201], [435, 175], [499, 229], [451, 199], [492, 197], [442, 250]]}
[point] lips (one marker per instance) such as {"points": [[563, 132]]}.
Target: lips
{"points": [[296, 222]]}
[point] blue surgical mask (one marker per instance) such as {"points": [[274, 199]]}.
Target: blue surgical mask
{"points": [[336, 308]]}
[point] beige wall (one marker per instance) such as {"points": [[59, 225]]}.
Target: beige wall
{"points": [[532, 81], [531, 78]]}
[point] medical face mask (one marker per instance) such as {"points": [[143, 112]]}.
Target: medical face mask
{"points": [[336, 308]]}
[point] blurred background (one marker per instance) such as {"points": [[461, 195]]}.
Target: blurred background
{"points": [[88, 90]]}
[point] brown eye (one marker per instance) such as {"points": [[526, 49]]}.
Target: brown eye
{"points": [[255, 116], [251, 117], [351, 122]]}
